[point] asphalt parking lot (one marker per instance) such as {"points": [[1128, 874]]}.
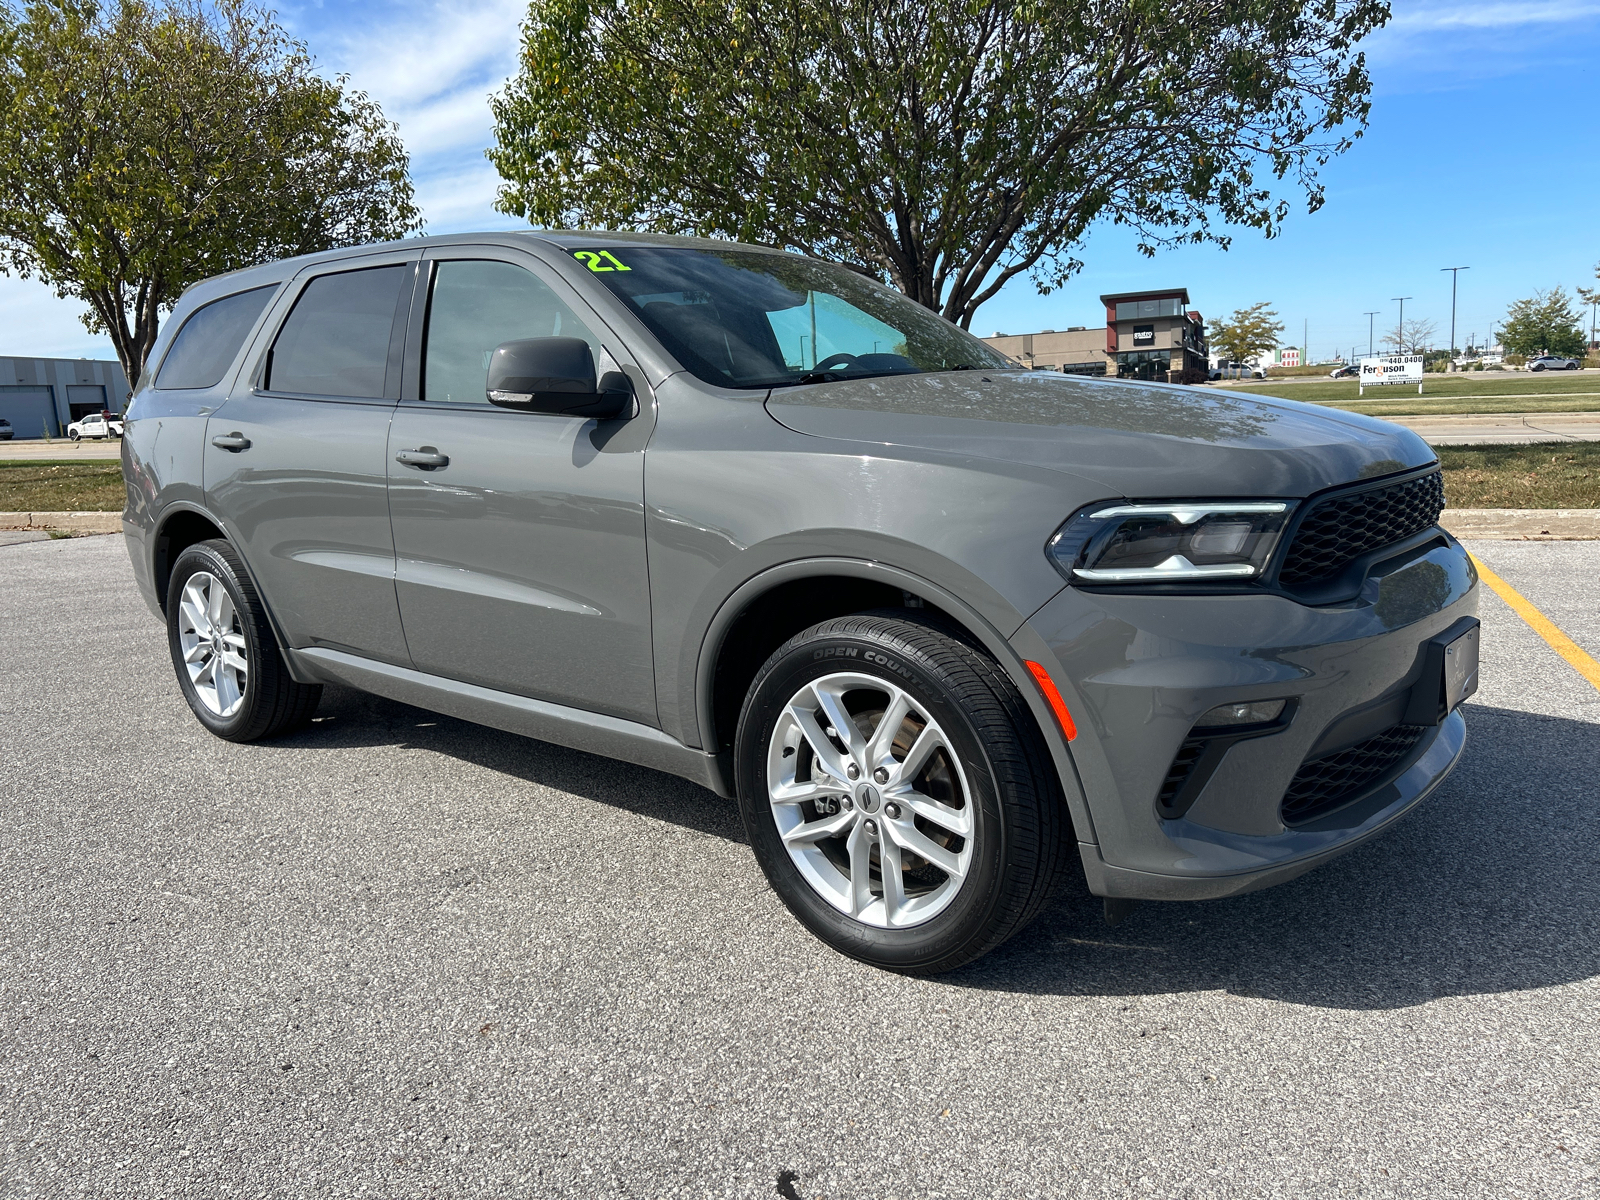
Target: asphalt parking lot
{"points": [[397, 955]]}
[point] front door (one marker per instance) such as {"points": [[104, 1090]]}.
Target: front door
{"points": [[520, 558], [295, 459]]}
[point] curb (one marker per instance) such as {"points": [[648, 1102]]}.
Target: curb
{"points": [[66, 522], [1524, 524]]}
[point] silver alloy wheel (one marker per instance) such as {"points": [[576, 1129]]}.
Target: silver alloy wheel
{"points": [[213, 644], [871, 800]]}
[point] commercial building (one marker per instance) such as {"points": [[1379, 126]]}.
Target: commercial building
{"points": [[1147, 335], [41, 394]]}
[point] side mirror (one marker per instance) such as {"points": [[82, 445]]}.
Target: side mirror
{"points": [[555, 375]]}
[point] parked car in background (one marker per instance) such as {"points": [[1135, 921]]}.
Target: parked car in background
{"points": [[96, 425], [5, 430], [954, 634], [1553, 362], [1346, 371]]}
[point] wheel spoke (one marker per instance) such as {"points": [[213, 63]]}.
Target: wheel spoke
{"points": [[860, 849], [894, 884], [878, 748], [233, 659], [844, 726], [827, 754], [913, 839], [929, 740], [790, 791], [815, 831], [196, 652], [956, 820], [192, 611], [214, 595]]}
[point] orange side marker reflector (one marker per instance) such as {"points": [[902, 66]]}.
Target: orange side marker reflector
{"points": [[1057, 704]]}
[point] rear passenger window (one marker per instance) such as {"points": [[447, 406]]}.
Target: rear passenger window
{"points": [[336, 340], [206, 345]]}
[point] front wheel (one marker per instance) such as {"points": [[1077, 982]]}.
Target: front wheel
{"points": [[72, 435], [897, 793], [223, 649]]}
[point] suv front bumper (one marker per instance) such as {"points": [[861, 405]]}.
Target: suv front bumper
{"points": [[1137, 672]]}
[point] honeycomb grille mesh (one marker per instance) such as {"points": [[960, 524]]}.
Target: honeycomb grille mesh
{"points": [[1345, 527], [1325, 783]]}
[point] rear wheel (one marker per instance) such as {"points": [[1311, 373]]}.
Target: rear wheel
{"points": [[897, 793], [223, 649]]}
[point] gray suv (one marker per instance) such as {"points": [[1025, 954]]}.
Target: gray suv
{"points": [[952, 632]]}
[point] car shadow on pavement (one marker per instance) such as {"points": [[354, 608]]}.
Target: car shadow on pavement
{"points": [[349, 718], [1492, 885]]}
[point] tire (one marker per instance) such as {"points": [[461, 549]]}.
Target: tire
{"points": [[990, 817], [1539, 367], [1572, 366], [211, 593], [72, 435]]}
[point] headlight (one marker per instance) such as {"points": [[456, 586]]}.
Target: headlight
{"points": [[1180, 542]]}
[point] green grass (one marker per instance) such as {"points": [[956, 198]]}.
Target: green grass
{"points": [[1489, 392], [1551, 475], [61, 487]]}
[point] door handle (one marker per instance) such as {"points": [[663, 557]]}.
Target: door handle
{"points": [[231, 442], [424, 458]]}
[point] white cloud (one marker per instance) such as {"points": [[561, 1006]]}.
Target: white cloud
{"points": [[1493, 16]]}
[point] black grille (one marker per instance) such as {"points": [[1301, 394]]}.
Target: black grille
{"points": [[1325, 783], [1345, 527], [1180, 770]]}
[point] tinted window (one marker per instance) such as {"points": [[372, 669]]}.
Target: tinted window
{"points": [[474, 307], [336, 341], [745, 319], [206, 345]]}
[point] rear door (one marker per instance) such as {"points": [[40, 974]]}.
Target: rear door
{"points": [[521, 559], [295, 459]]}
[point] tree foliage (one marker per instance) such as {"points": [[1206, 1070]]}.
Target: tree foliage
{"points": [[1249, 333], [1411, 337], [1545, 323], [149, 144], [946, 146]]}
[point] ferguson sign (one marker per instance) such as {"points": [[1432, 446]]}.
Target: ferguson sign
{"points": [[1392, 369]]}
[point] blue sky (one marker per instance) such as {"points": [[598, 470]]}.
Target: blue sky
{"points": [[1480, 153]]}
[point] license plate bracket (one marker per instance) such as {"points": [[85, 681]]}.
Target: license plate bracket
{"points": [[1448, 675]]}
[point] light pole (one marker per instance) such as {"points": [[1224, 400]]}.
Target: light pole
{"points": [[1369, 316], [1400, 330], [1454, 274]]}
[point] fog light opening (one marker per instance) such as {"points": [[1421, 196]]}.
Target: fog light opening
{"points": [[1250, 712]]}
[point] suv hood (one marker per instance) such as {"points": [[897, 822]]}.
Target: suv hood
{"points": [[1135, 439]]}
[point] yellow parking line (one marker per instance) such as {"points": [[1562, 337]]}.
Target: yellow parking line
{"points": [[1542, 625]]}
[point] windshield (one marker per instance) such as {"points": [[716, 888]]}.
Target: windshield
{"points": [[750, 320]]}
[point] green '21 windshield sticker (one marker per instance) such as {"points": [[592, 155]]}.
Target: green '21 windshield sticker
{"points": [[600, 260]]}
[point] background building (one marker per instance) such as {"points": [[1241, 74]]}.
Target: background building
{"points": [[1147, 335], [38, 393]]}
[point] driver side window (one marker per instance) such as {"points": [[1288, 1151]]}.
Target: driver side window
{"points": [[473, 306]]}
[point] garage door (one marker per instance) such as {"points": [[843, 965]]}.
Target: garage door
{"points": [[30, 411]]}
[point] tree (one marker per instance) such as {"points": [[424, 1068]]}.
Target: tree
{"points": [[1545, 323], [1591, 297], [944, 147], [152, 143], [1249, 333], [1412, 337]]}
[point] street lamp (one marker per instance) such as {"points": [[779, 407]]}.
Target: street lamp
{"points": [[1369, 317], [1400, 330], [1454, 274]]}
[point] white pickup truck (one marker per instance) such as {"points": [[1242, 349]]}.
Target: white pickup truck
{"points": [[95, 425]]}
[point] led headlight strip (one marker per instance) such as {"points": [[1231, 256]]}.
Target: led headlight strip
{"points": [[1095, 535]]}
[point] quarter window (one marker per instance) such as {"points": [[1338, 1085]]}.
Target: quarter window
{"points": [[336, 340], [210, 339], [476, 305]]}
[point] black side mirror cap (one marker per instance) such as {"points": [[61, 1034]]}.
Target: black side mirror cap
{"points": [[555, 375]]}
